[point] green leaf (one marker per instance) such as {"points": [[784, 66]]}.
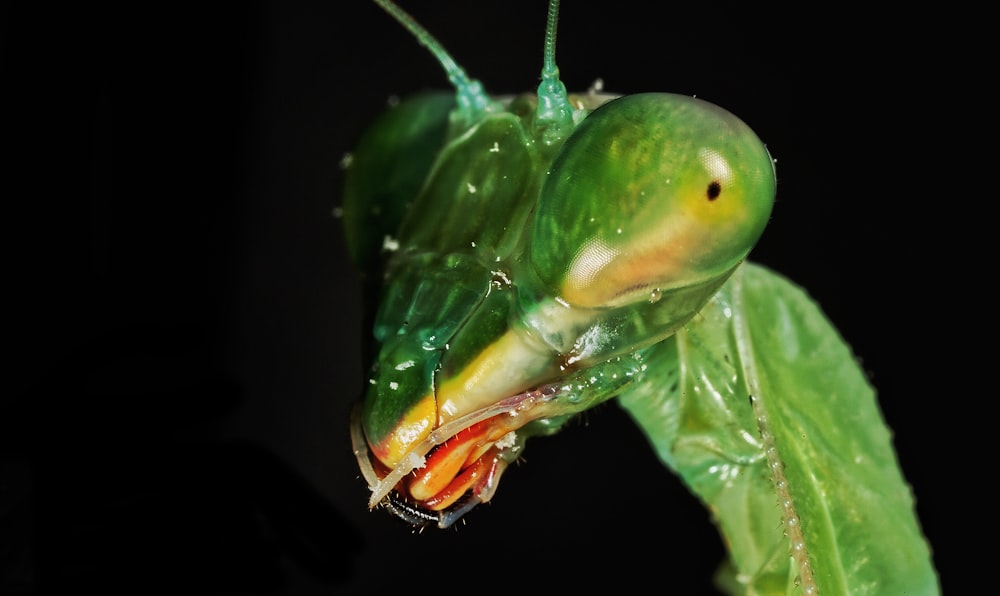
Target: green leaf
{"points": [[761, 408]]}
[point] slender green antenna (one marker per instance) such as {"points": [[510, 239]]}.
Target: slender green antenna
{"points": [[555, 114], [472, 100]]}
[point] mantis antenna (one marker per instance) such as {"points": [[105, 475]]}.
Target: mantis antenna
{"points": [[469, 95], [555, 114]]}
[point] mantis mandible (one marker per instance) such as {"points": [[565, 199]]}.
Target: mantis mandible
{"points": [[531, 257]]}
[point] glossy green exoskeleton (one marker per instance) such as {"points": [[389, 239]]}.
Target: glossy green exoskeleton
{"points": [[551, 238], [533, 256]]}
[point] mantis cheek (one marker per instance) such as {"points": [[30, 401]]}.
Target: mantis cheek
{"points": [[412, 427]]}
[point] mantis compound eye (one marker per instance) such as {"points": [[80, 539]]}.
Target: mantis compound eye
{"points": [[651, 193]]}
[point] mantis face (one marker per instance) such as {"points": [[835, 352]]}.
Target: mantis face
{"points": [[537, 256]]}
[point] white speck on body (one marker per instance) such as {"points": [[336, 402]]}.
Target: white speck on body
{"points": [[390, 244], [508, 440], [405, 365], [495, 148], [502, 277], [393, 385], [472, 189]]}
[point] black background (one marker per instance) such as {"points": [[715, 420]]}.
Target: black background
{"points": [[188, 324]]}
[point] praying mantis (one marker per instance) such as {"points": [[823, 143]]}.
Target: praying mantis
{"points": [[513, 291]]}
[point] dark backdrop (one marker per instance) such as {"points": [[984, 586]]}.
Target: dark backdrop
{"points": [[187, 346]]}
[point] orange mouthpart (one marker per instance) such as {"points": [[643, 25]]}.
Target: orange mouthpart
{"points": [[470, 460]]}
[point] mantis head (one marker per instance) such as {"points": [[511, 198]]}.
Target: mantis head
{"points": [[553, 239]]}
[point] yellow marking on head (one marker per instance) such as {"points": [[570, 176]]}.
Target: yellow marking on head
{"points": [[509, 365], [715, 195], [413, 427]]}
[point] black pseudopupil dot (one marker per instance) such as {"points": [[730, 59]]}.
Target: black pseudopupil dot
{"points": [[714, 190]]}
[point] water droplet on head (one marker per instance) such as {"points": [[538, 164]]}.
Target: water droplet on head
{"points": [[655, 295]]}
